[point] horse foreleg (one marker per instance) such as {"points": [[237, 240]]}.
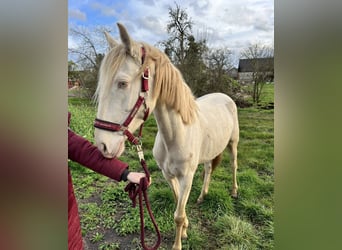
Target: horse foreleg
{"points": [[173, 183], [175, 187], [233, 159], [206, 181], [180, 217]]}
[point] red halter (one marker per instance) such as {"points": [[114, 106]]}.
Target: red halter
{"points": [[115, 127]]}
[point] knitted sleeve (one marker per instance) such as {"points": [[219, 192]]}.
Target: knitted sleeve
{"points": [[84, 152]]}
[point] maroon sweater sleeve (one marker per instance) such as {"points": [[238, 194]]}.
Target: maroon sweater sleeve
{"points": [[84, 152]]}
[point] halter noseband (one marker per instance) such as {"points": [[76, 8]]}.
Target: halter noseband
{"points": [[115, 127]]}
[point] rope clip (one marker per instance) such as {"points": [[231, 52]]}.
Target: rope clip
{"points": [[140, 152]]}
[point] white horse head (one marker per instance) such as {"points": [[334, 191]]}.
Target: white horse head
{"points": [[118, 89], [120, 83]]}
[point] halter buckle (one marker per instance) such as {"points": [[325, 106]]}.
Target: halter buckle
{"points": [[147, 71], [140, 151]]}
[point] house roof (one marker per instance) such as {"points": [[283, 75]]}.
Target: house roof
{"points": [[256, 64], [233, 72]]}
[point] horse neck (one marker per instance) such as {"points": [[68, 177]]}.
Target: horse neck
{"points": [[170, 124]]}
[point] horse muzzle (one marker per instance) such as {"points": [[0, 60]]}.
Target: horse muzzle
{"points": [[110, 144]]}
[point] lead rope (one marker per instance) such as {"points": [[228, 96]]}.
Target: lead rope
{"points": [[141, 189]]}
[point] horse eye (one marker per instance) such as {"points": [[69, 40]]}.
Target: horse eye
{"points": [[122, 85]]}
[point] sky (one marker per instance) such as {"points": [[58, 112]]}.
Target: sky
{"points": [[226, 23]]}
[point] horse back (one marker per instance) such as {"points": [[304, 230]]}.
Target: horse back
{"points": [[217, 104]]}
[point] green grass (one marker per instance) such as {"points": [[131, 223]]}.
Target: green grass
{"points": [[220, 222], [78, 93], [267, 94]]}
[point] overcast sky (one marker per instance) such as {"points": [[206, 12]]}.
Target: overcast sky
{"points": [[230, 23]]}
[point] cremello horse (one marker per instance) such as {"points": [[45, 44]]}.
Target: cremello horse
{"points": [[190, 131]]}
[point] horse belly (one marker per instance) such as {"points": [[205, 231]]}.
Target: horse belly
{"points": [[217, 125], [213, 144]]}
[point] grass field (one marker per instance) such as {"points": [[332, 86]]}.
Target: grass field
{"points": [[220, 222]]}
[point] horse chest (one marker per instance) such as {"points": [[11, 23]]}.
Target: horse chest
{"points": [[174, 161]]}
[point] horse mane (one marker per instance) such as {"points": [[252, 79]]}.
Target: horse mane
{"points": [[169, 85]]}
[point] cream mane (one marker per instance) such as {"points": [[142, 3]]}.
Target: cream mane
{"points": [[169, 85]]}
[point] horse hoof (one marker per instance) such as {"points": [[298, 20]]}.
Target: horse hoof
{"points": [[234, 196], [199, 201]]}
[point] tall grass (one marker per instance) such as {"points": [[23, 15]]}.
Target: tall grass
{"points": [[220, 222]]}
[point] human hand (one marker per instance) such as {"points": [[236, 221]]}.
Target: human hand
{"points": [[135, 177]]}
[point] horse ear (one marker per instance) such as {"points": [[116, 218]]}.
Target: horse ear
{"points": [[126, 40], [111, 42]]}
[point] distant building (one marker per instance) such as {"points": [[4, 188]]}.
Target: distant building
{"points": [[233, 73], [263, 67], [72, 82]]}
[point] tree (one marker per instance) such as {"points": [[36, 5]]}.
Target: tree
{"points": [[184, 51], [193, 67], [219, 62], [72, 70], [179, 27], [262, 70], [73, 73], [89, 54]]}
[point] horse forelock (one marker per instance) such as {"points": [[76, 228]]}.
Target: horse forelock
{"points": [[109, 67]]}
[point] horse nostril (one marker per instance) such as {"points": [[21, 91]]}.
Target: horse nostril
{"points": [[104, 147]]}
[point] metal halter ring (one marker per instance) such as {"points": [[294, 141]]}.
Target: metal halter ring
{"points": [[148, 73]]}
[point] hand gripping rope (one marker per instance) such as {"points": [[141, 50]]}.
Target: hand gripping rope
{"points": [[140, 190]]}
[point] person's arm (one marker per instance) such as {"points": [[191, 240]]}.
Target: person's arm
{"points": [[84, 152]]}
